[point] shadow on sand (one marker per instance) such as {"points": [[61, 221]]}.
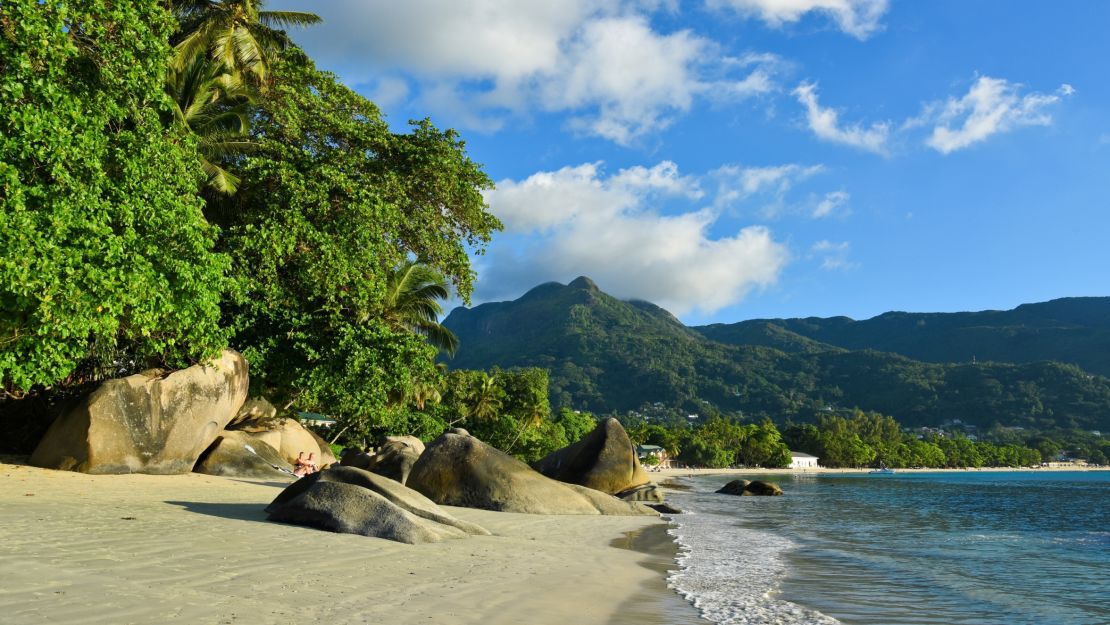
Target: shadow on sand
{"points": [[236, 511]]}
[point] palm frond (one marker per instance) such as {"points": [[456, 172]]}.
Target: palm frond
{"points": [[285, 19]]}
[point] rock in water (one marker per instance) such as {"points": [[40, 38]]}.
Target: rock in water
{"points": [[745, 488], [735, 487], [460, 470], [350, 500], [149, 422], [763, 488], [229, 457], [603, 460]]}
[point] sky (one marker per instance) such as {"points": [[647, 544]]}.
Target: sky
{"points": [[739, 159]]}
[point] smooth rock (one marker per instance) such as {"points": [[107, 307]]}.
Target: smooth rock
{"points": [[461, 470], [646, 492], [603, 460], [394, 460], [147, 423], [228, 457], [350, 500], [290, 438], [745, 488]]}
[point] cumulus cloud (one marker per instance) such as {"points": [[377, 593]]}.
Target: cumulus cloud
{"points": [[991, 106], [859, 18], [580, 221], [833, 256], [825, 123], [485, 61]]}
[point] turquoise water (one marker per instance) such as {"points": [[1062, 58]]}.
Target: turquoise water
{"points": [[962, 548]]}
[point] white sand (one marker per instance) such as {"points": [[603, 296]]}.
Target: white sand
{"points": [[195, 549]]}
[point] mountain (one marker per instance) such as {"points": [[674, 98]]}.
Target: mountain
{"points": [[608, 355], [1073, 330]]}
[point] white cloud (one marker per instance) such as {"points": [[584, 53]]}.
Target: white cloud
{"points": [[991, 106], [833, 256], [484, 61], [830, 204], [578, 221], [736, 183], [825, 123], [859, 18]]}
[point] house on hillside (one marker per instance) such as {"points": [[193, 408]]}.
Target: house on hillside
{"points": [[800, 461], [656, 452]]}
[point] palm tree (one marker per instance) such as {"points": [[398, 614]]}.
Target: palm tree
{"points": [[237, 34], [483, 402], [413, 291], [425, 393], [214, 105]]}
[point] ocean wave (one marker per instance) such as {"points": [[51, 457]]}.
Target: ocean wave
{"points": [[732, 573]]}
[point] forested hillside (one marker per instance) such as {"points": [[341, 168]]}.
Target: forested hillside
{"points": [[608, 355], [1073, 330]]}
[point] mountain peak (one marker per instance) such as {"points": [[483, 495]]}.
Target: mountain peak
{"points": [[584, 283]]}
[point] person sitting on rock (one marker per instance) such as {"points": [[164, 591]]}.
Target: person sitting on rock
{"points": [[303, 466]]}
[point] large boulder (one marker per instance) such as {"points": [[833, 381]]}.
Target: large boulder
{"points": [[394, 460], [460, 470], [744, 488], [411, 441], [603, 460], [151, 422], [229, 457], [257, 410], [290, 438], [350, 500]]}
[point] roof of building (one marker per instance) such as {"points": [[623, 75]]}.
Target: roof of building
{"points": [[798, 454], [648, 447]]}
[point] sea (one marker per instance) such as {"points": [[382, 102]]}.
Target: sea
{"points": [[951, 548]]}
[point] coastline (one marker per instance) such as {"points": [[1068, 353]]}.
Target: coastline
{"points": [[663, 475], [80, 548]]}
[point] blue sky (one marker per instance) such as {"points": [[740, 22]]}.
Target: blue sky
{"points": [[734, 159]]}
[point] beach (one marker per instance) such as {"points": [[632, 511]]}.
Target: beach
{"points": [[77, 548]]}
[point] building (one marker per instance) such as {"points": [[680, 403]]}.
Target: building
{"points": [[655, 451], [800, 461]]}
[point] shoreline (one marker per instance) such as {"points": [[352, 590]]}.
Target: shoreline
{"points": [[193, 548], [663, 475]]}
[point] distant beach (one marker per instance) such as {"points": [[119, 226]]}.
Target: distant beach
{"points": [[196, 549]]}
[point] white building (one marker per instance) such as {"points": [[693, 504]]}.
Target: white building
{"points": [[798, 460]]}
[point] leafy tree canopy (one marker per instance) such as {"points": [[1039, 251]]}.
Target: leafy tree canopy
{"points": [[103, 246]]}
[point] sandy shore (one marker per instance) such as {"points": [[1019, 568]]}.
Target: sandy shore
{"points": [[195, 549]]}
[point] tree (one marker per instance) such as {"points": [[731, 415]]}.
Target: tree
{"points": [[106, 262], [215, 106], [329, 204], [236, 34], [412, 295]]}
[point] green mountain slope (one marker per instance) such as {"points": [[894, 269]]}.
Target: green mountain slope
{"points": [[1072, 330], [607, 355]]}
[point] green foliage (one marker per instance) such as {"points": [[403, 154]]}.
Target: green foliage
{"points": [[612, 356], [106, 263], [575, 423], [1073, 330], [330, 202], [412, 294]]}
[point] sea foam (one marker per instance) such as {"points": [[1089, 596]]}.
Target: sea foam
{"points": [[732, 573]]}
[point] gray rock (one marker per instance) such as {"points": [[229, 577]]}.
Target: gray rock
{"points": [[256, 410], [147, 423], [744, 488], [647, 492], [351, 500], [394, 460], [603, 460], [461, 470], [228, 457]]}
